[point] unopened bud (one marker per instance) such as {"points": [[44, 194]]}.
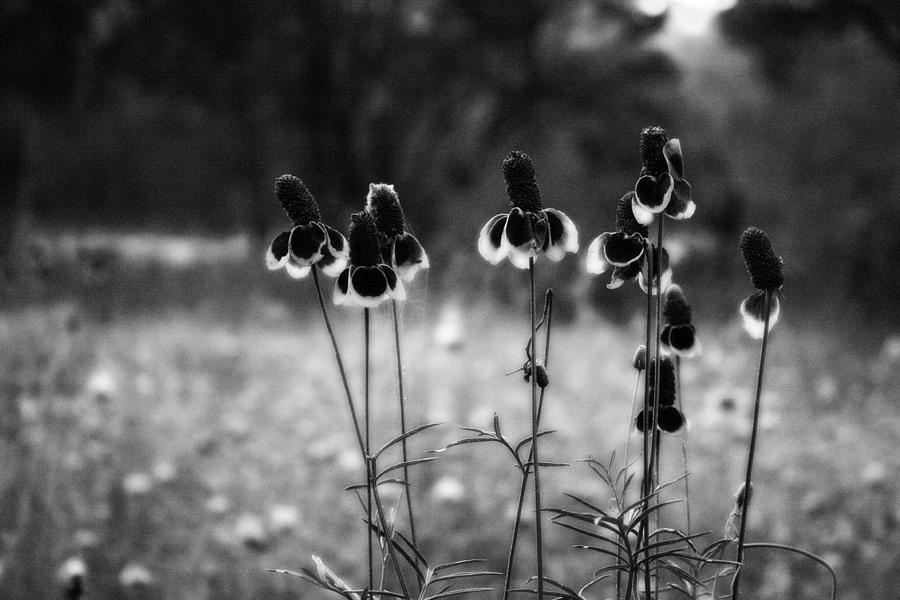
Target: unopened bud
{"points": [[540, 374], [639, 361]]}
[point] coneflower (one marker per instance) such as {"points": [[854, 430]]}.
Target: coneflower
{"points": [[528, 229], [310, 242], [759, 312], [767, 274]]}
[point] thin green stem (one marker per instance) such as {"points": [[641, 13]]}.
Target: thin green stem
{"points": [[748, 492], [684, 459], [353, 416], [510, 558], [369, 473], [535, 462], [643, 530], [409, 504], [657, 267]]}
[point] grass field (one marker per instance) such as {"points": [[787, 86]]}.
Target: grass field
{"points": [[181, 447]]}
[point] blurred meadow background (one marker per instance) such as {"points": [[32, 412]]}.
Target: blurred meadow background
{"points": [[170, 411]]}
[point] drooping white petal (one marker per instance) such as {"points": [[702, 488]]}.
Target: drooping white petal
{"points": [[277, 254], [334, 268], [641, 214], [665, 280], [519, 257], [595, 262], [342, 286], [567, 242], [753, 314], [399, 291], [296, 271], [486, 246]]}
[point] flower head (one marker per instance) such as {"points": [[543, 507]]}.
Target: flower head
{"points": [[767, 274], [310, 242], [366, 281], [625, 250], [678, 333], [661, 186], [669, 418], [399, 247], [527, 229]]}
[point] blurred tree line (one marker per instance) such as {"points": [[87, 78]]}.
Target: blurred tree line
{"points": [[176, 116]]}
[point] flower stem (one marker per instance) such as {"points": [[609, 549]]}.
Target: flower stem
{"points": [[548, 312], [368, 452], [353, 416], [654, 464], [643, 530], [684, 458], [409, 504], [535, 461], [748, 493]]}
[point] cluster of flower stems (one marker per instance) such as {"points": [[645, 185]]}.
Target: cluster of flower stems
{"points": [[642, 550]]}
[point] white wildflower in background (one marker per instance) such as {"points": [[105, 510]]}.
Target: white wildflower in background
{"points": [[135, 574]]}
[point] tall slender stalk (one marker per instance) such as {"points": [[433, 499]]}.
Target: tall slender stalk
{"points": [[684, 460], [368, 448], [643, 530], [535, 460], [548, 312], [403, 446], [654, 465], [748, 493]]}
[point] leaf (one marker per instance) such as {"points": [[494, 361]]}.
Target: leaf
{"points": [[618, 557], [497, 426], [564, 588], [463, 574], [488, 438], [527, 438], [585, 503], [400, 465], [458, 563], [402, 437], [458, 592]]}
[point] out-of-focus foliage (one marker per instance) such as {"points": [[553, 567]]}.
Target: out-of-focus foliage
{"points": [[167, 115]]}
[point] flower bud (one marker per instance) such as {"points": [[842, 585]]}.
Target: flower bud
{"points": [[639, 361], [541, 376], [523, 191], [765, 267], [297, 201]]}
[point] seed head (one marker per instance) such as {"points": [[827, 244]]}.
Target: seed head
{"points": [[653, 162], [666, 380], [523, 191], [676, 309], [765, 267], [365, 250], [625, 221], [296, 199], [385, 207]]}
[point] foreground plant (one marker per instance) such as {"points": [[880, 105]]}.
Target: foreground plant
{"points": [[767, 274], [403, 252], [640, 554], [524, 233]]}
